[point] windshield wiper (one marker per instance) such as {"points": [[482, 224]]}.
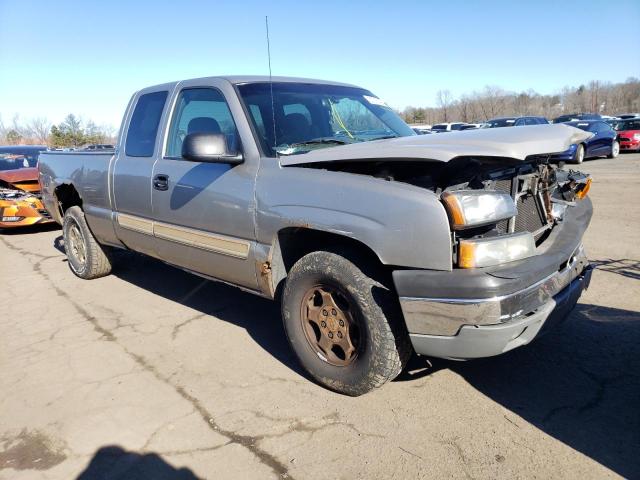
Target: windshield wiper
{"points": [[317, 141], [384, 137]]}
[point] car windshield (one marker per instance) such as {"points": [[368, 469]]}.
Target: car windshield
{"points": [[564, 118], [500, 122], [312, 116], [15, 161], [627, 125]]}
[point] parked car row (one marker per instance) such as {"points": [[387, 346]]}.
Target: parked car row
{"points": [[610, 134]]}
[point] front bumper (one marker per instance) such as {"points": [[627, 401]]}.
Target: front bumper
{"points": [[28, 212], [484, 312], [630, 145], [478, 341]]}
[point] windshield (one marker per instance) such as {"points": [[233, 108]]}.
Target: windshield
{"points": [[500, 122], [312, 116], [14, 161], [627, 125]]}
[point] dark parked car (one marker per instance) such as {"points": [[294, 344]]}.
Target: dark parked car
{"points": [[572, 117], [514, 122], [603, 142], [626, 116]]}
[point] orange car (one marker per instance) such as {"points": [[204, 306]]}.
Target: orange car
{"points": [[20, 203]]}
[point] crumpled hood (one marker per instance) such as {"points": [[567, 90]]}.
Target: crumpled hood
{"points": [[22, 178], [510, 142], [19, 175]]}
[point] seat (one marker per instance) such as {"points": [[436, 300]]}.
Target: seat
{"points": [[296, 128], [203, 125]]}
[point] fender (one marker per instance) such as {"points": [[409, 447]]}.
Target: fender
{"points": [[402, 224]]}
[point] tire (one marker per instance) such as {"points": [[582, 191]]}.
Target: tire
{"points": [[86, 257], [579, 155], [366, 320], [615, 149]]}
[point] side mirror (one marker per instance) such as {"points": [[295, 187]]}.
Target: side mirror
{"points": [[209, 147]]}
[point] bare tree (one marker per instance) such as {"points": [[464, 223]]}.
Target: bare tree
{"points": [[39, 129], [444, 100]]}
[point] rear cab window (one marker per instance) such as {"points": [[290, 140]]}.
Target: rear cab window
{"points": [[143, 127]]}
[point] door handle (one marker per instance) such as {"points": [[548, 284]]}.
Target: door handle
{"points": [[161, 182]]}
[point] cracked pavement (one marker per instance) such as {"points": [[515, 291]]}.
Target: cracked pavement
{"points": [[154, 373]]}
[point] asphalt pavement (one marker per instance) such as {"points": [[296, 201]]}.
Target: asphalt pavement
{"points": [[155, 373]]}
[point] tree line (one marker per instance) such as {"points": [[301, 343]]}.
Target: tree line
{"points": [[605, 98], [72, 132]]}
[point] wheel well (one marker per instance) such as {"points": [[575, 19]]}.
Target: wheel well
{"points": [[294, 243], [67, 197]]}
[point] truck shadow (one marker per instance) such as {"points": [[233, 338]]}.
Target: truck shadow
{"points": [[580, 384], [260, 317], [115, 463]]}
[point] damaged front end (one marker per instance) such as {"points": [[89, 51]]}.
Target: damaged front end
{"points": [[19, 208], [536, 195], [500, 209]]}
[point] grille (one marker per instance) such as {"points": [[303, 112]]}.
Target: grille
{"points": [[503, 186], [530, 216], [625, 139]]}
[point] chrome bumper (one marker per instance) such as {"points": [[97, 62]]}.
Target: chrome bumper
{"points": [[446, 316], [479, 341]]}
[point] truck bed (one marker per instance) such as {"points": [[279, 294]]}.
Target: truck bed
{"points": [[87, 171]]}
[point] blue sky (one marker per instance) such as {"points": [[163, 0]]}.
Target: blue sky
{"points": [[88, 57]]}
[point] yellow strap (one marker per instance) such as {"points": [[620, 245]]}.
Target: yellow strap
{"points": [[336, 115]]}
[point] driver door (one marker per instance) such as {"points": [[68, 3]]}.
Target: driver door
{"points": [[203, 211]]}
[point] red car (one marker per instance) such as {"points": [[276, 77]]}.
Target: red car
{"points": [[628, 134]]}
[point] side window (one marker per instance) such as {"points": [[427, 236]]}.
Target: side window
{"points": [[143, 128], [200, 110]]}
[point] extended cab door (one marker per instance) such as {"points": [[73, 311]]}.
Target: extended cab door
{"points": [[133, 168], [204, 212]]}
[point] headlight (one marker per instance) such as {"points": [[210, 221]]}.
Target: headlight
{"points": [[636, 136], [11, 219], [486, 252], [473, 208]]}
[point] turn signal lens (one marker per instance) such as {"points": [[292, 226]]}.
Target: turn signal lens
{"points": [[580, 194]]}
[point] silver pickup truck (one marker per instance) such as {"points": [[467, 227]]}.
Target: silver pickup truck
{"points": [[376, 241]]}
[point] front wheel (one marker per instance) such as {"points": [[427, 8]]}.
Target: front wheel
{"points": [[579, 156], [343, 325], [615, 149], [86, 257]]}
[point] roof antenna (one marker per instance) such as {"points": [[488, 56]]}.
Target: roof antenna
{"points": [[273, 109]]}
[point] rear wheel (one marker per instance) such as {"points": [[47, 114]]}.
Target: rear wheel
{"points": [[615, 149], [579, 155], [343, 325], [86, 257]]}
